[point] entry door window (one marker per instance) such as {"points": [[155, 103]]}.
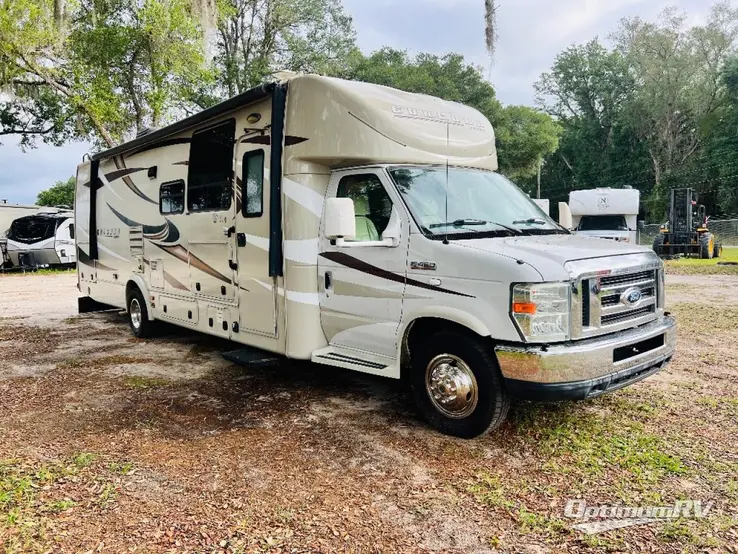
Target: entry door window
{"points": [[372, 205], [211, 168]]}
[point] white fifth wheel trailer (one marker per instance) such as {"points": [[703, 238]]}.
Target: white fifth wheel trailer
{"points": [[605, 213], [366, 228], [44, 239]]}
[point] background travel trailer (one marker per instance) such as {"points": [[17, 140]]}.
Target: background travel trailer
{"points": [[43, 239], [603, 212], [9, 213]]}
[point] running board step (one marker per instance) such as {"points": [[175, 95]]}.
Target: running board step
{"points": [[348, 359], [252, 357]]}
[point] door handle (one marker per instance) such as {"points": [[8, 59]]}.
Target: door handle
{"points": [[328, 280]]}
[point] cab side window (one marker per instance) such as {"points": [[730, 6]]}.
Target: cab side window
{"points": [[171, 197], [211, 168], [372, 205]]}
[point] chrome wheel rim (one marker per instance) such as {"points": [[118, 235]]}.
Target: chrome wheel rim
{"points": [[451, 386], [135, 312]]}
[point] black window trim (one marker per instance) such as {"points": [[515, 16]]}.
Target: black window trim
{"points": [[249, 154], [229, 121], [184, 196]]}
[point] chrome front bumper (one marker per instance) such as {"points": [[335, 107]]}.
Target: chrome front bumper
{"points": [[589, 367]]}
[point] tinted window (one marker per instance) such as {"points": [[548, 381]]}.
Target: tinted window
{"points": [[372, 205], [171, 197], [210, 169], [32, 229], [253, 183], [71, 230], [602, 223]]}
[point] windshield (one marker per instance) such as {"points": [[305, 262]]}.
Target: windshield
{"points": [[478, 202], [31, 229], [602, 223]]}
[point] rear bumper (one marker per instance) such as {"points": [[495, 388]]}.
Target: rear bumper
{"points": [[587, 368]]}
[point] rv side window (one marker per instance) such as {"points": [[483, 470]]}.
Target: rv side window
{"points": [[372, 205], [253, 183], [171, 197], [71, 231], [210, 168]]}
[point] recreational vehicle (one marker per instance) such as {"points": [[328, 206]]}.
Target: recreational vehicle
{"points": [[45, 239], [9, 213], [605, 213], [366, 228]]}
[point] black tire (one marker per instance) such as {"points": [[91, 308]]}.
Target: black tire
{"points": [[478, 416], [706, 249], [718, 250], [658, 242], [138, 315]]}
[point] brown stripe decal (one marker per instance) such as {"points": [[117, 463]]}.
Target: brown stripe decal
{"points": [[289, 140], [185, 162], [359, 265], [113, 175], [121, 165], [181, 253]]}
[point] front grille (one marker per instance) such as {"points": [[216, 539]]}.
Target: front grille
{"points": [[627, 278], [606, 303], [625, 316]]}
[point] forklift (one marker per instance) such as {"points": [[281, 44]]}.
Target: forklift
{"points": [[686, 232]]}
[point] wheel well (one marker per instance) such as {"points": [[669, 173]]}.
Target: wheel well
{"points": [[130, 287], [424, 327]]}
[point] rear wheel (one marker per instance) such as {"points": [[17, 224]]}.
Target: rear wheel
{"points": [[138, 315], [718, 250], [707, 246], [457, 385]]}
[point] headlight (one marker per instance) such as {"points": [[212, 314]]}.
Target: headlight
{"points": [[541, 311]]}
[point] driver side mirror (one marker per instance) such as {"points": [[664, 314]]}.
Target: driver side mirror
{"points": [[340, 220]]}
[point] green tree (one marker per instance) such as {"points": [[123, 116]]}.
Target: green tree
{"points": [[61, 194], [97, 70], [259, 37], [679, 89], [526, 137]]}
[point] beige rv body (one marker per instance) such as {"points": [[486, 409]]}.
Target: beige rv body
{"points": [[275, 281]]}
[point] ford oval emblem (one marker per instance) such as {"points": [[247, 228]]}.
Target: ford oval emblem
{"points": [[631, 296]]}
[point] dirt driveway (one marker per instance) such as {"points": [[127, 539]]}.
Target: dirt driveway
{"points": [[113, 444]]}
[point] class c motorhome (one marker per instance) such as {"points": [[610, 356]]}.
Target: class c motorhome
{"points": [[605, 213], [366, 228]]}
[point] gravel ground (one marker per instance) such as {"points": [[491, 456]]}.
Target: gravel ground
{"points": [[113, 444]]}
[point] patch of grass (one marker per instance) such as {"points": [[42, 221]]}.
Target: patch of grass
{"points": [[593, 443], [83, 459], [698, 266], [489, 490], [139, 382], [72, 363], [47, 271], [107, 496], [123, 468], [60, 506]]}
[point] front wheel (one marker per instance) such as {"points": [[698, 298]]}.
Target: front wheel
{"points": [[707, 244], [457, 385], [138, 315]]}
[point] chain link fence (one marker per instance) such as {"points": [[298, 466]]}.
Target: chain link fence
{"points": [[725, 231]]}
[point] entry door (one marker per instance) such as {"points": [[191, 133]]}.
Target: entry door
{"points": [[256, 295], [363, 281]]}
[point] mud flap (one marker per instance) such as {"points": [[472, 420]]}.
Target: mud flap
{"points": [[85, 305]]}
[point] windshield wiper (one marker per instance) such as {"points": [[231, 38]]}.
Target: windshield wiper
{"points": [[459, 223], [531, 221], [465, 222]]}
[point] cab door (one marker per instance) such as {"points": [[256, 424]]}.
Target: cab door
{"points": [[257, 296], [363, 279]]}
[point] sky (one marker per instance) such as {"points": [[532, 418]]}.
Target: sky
{"points": [[531, 34]]}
